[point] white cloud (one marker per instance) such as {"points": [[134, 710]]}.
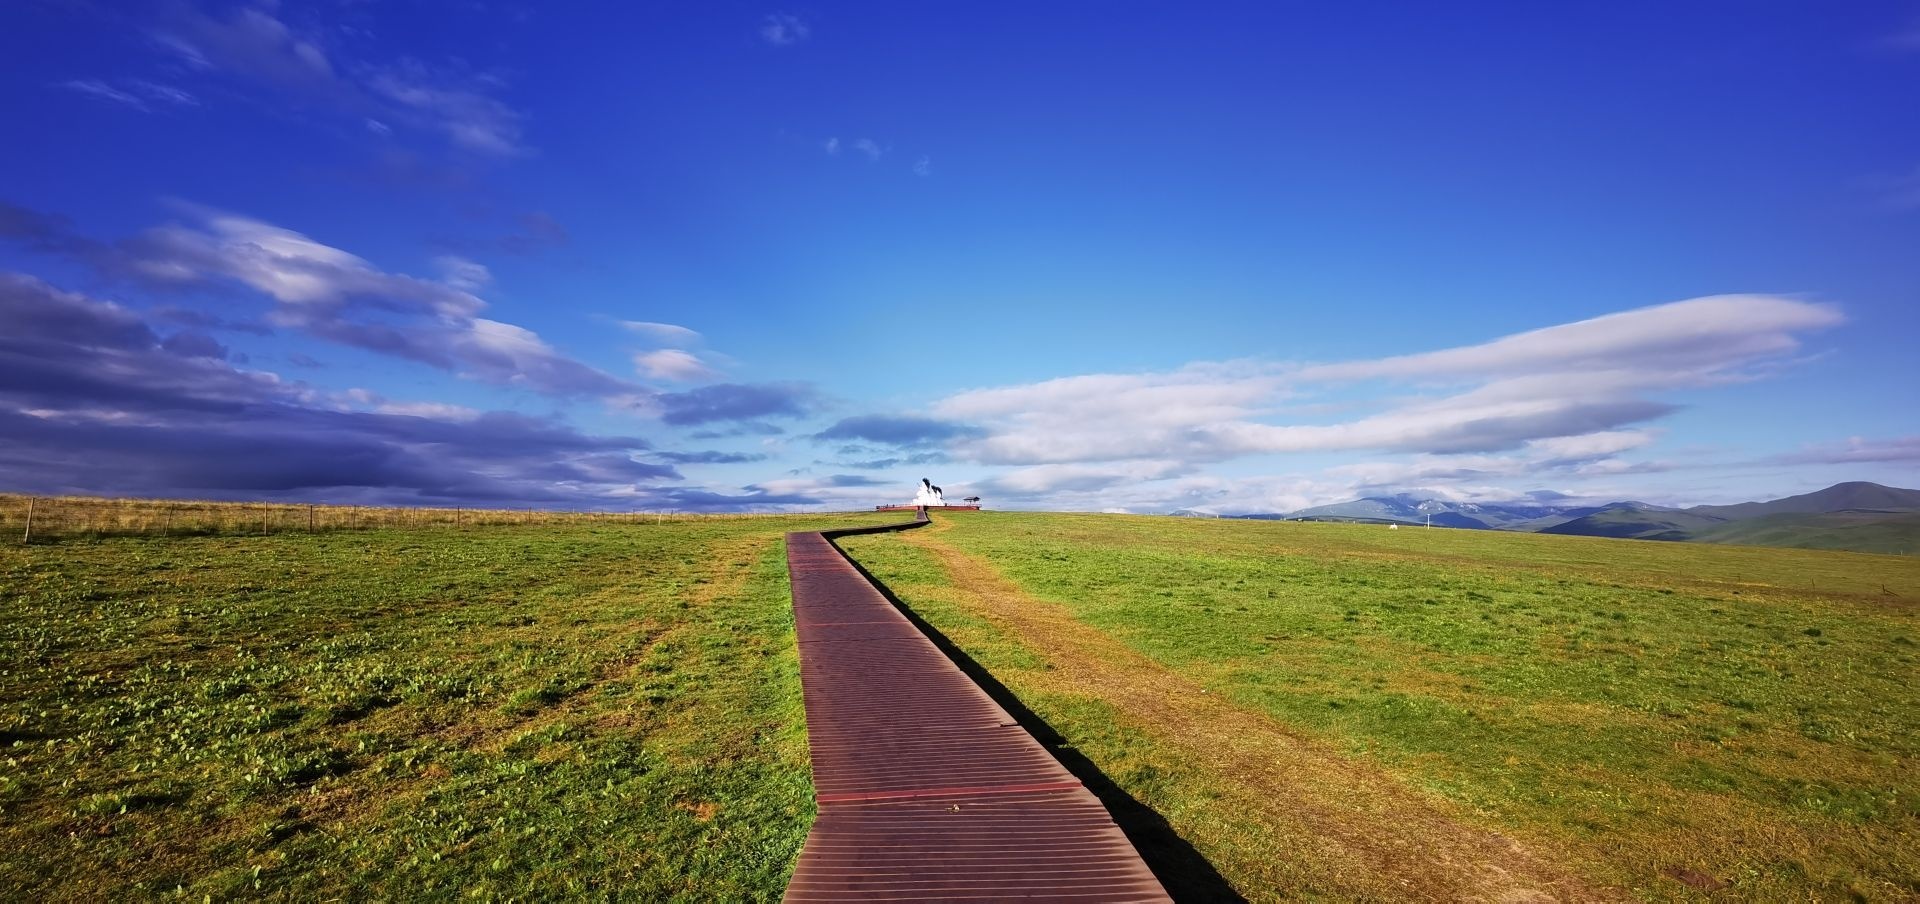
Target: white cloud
{"points": [[665, 334], [284, 264], [923, 166], [869, 147], [1593, 377], [782, 30], [438, 411], [1111, 416], [1592, 445], [1684, 335], [338, 296], [463, 274], [1560, 457], [1045, 480], [831, 146], [1120, 489], [674, 364]]}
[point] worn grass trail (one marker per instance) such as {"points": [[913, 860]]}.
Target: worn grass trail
{"points": [[1295, 809], [1357, 714], [502, 713]]}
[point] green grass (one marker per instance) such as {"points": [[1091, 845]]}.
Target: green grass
{"points": [[1635, 708], [1891, 533], [550, 711], [611, 709]]}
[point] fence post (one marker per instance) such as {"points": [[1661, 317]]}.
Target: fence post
{"points": [[309, 517], [28, 537]]}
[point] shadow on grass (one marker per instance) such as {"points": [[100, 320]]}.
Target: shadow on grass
{"points": [[1186, 874]]}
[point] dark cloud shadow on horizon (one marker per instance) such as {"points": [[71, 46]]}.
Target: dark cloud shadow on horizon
{"points": [[94, 400]]}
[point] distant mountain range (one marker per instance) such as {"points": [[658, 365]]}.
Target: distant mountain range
{"points": [[1858, 516]]}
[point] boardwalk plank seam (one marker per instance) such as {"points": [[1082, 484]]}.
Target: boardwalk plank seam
{"points": [[927, 789]]}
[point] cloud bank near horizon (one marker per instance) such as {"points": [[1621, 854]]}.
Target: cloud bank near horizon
{"points": [[97, 392]]}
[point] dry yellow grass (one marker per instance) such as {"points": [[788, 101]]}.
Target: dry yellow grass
{"points": [[54, 517]]}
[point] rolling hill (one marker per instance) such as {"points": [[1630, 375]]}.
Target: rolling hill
{"points": [[1853, 496], [1635, 520], [1892, 533], [1857, 516]]}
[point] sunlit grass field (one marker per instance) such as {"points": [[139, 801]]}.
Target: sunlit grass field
{"points": [[556, 711], [1344, 711], [588, 708], [50, 518]]}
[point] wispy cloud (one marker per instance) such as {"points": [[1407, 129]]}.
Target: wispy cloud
{"points": [[166, 94], [674, 364], [1857, 450], [666, 334], [865, 147], [457, 108], [711, 457], [784, 30], [1590, 455], [463, 274], [100, 90], [332, 294], [923, 166], [259, 51], [903, 431], [672, 356], [736, 402], [93, 399], [1590, 377]]}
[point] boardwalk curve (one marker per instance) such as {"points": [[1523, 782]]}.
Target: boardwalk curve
{"points": [[927, 789]]}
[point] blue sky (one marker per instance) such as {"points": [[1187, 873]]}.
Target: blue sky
{"points": [[1076, 256]]}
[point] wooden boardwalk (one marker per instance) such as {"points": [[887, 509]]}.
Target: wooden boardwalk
{"points": [[927, 789]]}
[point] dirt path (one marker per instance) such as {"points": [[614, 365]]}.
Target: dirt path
{"points": [[1348, 829]]}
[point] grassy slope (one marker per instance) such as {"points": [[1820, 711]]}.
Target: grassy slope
{"points": [[1890, 533], [1638, 711], [1635, 523], [541, 711]]}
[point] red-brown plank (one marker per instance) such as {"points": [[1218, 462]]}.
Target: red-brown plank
{"points": [[927, 789]]}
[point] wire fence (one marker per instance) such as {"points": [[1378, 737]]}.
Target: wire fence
{"points": [[36, 519]]}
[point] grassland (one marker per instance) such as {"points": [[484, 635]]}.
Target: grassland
{"points": [[1346, 712], [563, 710], [585, 707], [52, 518], [1889, 533]]}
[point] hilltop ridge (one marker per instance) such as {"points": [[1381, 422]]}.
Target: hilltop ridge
{"points": [[1853, 515]]}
